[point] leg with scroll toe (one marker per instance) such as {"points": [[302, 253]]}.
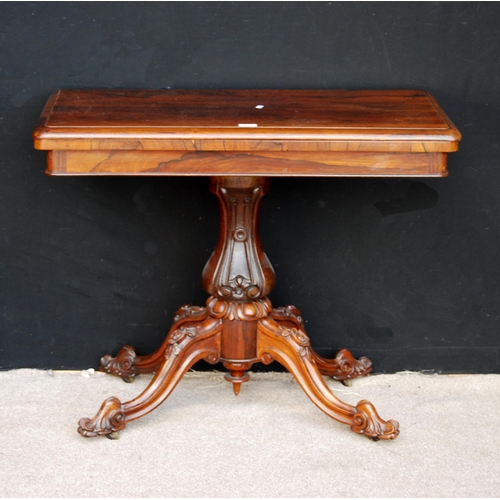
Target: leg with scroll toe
{"points": [[291, 348], [126, 364], [184, 347]]}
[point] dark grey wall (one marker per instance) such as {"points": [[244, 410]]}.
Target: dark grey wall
{"points": [[405, 271]]}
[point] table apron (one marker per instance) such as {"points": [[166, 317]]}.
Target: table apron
{"points": [[260, 163]]}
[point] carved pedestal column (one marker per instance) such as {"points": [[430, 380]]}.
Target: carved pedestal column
{"points": [[238, 275], [238, 270]]}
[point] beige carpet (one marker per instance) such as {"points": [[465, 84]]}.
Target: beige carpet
{"points": [[270, 441]]}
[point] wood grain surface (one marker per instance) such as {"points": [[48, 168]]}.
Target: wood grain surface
{"points": [[268, 163], [393, 121]]}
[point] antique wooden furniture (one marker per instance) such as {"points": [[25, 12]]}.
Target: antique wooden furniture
{"points": [[239, 139]]}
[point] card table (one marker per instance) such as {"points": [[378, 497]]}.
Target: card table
{"points": [[239, 139]]}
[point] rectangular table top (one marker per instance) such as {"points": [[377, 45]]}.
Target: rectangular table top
{"points": [[295, 127]]}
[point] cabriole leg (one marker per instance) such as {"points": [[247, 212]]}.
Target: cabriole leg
{"points": [[184, 347], [126, 364], [291, 348]]}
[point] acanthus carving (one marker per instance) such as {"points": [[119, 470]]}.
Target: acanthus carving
{"points": [[344, 366], [176, 339], [239, 287], [300, 338], [238, 270], [288, 313], [351, 367], [121, 365], [367, 421], [189, 311], [240, 250], [243, 311], [110, 418]]}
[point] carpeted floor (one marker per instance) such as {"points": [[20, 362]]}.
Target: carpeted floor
{"points": [[270, 441]]}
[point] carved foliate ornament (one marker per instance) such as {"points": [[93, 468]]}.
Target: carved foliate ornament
{"points": [[238, 270], [288, 313], [300, 338], [176, 340], [189, 311], [243, 311], [351, 367], [121, 365]]}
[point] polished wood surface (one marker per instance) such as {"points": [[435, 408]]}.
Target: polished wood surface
{"points": [[163, 113], [241, 132], [239, 139], [268, 163]]}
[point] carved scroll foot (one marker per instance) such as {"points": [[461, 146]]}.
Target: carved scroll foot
{"points": [[291, 348], [109, 419], [126, 364], [344, 366], [185, 345], [122, 365], [368, 422]]}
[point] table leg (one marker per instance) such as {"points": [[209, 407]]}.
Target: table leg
{"points": [[291, 348], [185, 346], [126, 364]]}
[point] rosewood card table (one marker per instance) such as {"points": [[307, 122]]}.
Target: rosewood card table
{"points": [[240, 138]]}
